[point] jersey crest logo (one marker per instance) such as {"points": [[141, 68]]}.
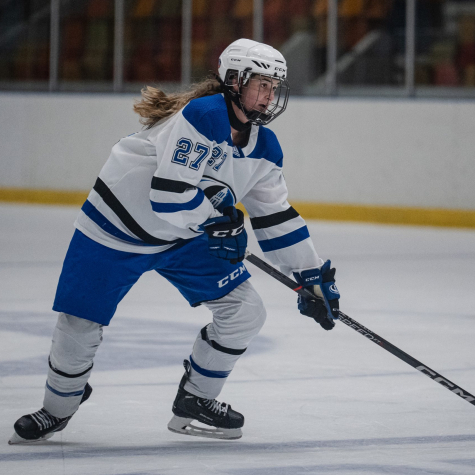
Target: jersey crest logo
{"points": [[236, 152]]}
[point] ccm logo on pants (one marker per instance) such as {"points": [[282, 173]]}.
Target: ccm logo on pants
{"points": [[234, 274]]}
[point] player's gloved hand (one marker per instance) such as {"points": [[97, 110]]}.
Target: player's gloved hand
{"points": [[227, 238], [322, 283]]}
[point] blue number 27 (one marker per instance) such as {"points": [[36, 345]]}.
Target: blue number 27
{"points": [[183, 150]]}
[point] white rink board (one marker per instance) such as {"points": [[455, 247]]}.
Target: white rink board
{"points": [[315, 402], [380, 152], [356, 151]]}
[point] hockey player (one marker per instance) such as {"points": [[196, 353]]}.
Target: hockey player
{"points": [[165, 201]]}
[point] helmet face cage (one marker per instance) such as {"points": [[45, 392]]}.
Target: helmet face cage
{"points": [[255, 112]]}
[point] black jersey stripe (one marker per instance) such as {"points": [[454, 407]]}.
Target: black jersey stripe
{"points": [[163, 184], [129, 222], [262, 222]]}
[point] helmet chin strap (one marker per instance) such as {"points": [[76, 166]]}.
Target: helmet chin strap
{"points": [[254, 114]]}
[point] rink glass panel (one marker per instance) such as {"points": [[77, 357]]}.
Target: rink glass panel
{"points": [[24, 44], [152, 43], [86, 45], [371, 46], [299, 30], [216, 24], [445, 48]]}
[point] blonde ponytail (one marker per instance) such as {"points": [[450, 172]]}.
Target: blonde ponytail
{"points": [[155, 105]]}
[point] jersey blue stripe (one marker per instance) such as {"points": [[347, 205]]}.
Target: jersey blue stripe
{"points": [[175, 207], [91, 211], [285, 241], [75, 393], [207, 372]]}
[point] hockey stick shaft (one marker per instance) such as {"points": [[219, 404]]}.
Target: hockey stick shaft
{"points": [[370, 335]]}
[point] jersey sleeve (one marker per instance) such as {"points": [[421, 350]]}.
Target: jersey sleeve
{"points": [[183, 148], [281, 232]]}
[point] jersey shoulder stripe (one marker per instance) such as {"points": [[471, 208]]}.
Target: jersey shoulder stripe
{"points": [[267, 147], [209, 116]]}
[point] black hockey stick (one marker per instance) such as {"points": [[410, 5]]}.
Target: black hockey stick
{"points": [[268, 269]]}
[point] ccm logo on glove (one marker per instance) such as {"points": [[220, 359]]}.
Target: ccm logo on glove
{"points": [[324, 310], [226, 233], [227, 238]]}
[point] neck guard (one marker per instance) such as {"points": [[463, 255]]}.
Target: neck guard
{"points": [[229, 97], [236, 124]]}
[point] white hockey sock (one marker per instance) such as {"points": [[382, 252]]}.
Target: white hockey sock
{"points": [[210, 367], [74, 346], [237, 319]]}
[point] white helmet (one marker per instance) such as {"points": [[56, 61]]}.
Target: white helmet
{"points": [[244, 59]]}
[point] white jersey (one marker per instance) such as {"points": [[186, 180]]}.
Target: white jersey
{"points": [[153, 192]]}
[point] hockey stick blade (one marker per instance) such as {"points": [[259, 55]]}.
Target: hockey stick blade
{"points": [[370, 335]]}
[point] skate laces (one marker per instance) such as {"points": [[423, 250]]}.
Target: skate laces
{"points": [[44, 419], [216, 406]]}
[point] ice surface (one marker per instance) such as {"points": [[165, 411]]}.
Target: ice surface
{"points": [[315, 402]]}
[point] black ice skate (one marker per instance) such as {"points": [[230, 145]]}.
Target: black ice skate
{"points": [[41, 425], [188, 407]]}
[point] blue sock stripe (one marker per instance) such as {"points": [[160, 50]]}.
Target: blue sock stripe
{"points": [[75, 393], [208, 373]]}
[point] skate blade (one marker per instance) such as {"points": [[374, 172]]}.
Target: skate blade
{"points": [[182, 425], [16, 439]]}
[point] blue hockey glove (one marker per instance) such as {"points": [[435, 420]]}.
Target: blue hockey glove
{"points": [[322, 283], [227, 238]]}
